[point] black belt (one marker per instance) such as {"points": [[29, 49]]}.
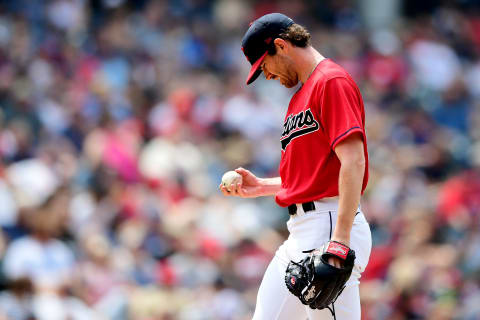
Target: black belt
{"points": [[307, 206]]}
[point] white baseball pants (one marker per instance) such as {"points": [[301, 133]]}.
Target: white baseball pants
{"points": [[309, 231]]}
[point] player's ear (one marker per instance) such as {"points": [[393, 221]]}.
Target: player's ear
{"points": [[281, 45]]}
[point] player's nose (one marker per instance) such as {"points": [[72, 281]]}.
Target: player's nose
{"points": [[268, 75]]}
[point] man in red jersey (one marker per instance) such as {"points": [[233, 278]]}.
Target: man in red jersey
{"points": [[323, 167]]}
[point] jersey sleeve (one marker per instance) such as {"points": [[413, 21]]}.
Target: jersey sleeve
{"points": [[341, 112]]}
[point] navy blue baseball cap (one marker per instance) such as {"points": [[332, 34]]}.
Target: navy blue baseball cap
{"points": [[258, 40]]}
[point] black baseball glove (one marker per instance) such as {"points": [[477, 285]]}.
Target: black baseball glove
{"points": [[314, 281]]}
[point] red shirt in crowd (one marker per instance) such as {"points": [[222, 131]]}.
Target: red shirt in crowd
{"points": [[323, 112]]}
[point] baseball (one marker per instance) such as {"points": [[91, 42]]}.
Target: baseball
{"points": [[231, 177]]}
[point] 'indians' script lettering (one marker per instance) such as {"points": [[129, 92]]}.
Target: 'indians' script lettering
{"points": [[297, 125]]}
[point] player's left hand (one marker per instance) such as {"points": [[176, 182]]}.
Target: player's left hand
{"points": [[314, 281], [335, 261]]}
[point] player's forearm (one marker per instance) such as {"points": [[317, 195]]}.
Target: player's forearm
{"points": [[270, 186], [350, 187]]}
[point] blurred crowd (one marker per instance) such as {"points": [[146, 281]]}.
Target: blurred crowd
{"points": [[118, 118]]}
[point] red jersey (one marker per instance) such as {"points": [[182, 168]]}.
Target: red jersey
{"points": [[324, 111]]}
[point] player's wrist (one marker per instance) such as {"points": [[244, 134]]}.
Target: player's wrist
{"points": [[342, 239]]}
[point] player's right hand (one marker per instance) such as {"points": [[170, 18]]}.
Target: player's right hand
{"points": [[251, 186]]}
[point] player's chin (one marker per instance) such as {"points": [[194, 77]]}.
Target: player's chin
{"points": [[288, 84]]}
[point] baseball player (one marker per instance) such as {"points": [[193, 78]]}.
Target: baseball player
{"points": [[323, 172]]}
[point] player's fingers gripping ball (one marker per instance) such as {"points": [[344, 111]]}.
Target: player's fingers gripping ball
{"points": [[314, 281], [229, 178]]}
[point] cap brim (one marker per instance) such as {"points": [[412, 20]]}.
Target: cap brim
{"points": [[255, 70]]}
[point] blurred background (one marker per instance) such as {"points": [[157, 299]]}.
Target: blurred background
{"points": [[118, 118]]}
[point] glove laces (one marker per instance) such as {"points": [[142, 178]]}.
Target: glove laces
{"points": [[332, 310]]}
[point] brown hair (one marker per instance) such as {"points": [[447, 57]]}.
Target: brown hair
{"points": [[296, 35]]}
